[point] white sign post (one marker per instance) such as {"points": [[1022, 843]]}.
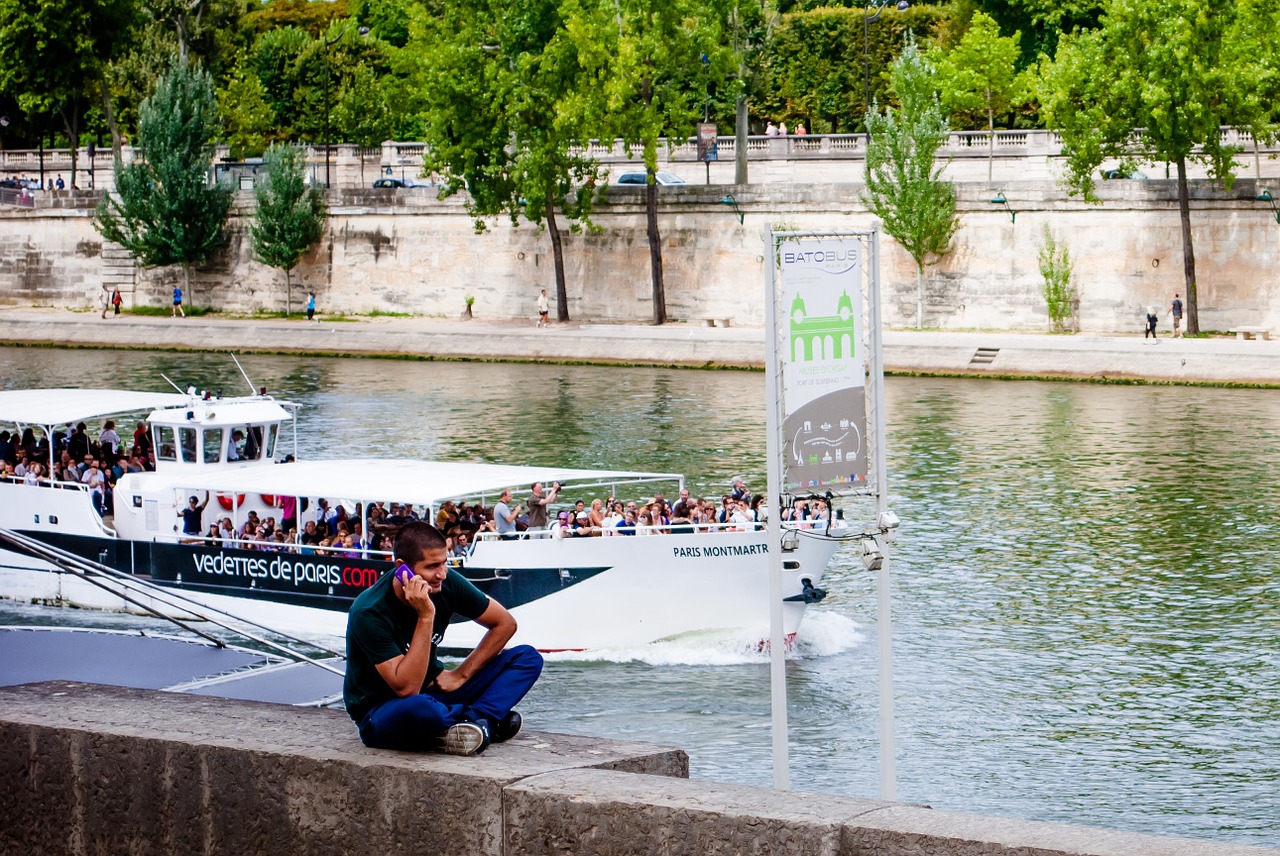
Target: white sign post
{"points": [[824, 423]]}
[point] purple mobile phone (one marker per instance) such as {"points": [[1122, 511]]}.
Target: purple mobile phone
{"points": [[403, 573]]}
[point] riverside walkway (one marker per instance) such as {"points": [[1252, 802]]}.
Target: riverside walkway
{"points": [[1085, 356]]}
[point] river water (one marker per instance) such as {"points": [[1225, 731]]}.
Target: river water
{"points": [[1085, 587]]}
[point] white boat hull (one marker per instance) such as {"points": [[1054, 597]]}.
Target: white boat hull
{"points": [[616, 592]]}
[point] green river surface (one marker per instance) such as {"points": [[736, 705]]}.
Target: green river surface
{"points": [[1085, 591]]}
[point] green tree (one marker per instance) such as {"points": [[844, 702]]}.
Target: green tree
{"points": [[904, 181], [164, 210], [54, 55], [1157, 82], [651, 61], [503, 84], [247, 118], [1056, 268], [813, 67], [290, 215], [363, 114], [981, 73]]}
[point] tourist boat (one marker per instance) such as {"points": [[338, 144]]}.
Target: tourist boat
{"points": [[566, 593]]}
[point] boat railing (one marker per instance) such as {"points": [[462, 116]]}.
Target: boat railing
{"points": [[285, 547], [45, 481], [669, 529]]}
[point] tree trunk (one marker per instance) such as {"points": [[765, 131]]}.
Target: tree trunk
{"points": [[740, 141], [655, 250], [70, 121], [109, 111], [919, 297], [991, 141], [1188, 250], [288, 294], [557, 257], [186, 285]]}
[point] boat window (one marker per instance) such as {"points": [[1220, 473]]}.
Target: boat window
{"points": [[166, 448], [253, 443], [187, 440], [273, 434], [212, 445]]}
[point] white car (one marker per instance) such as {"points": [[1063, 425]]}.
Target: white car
{"points": [[662, 177]]}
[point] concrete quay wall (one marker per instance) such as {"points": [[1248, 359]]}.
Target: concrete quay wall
{"points": [[88, 769], [405, 251]]}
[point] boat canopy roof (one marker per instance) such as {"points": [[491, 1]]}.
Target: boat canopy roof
{"points": [[62, 406], [416, 482], [221, 411]]}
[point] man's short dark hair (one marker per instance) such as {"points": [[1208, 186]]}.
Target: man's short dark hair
{"points": [[415, 539]]}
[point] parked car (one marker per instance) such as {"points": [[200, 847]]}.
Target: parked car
{"points": [[401, 182], [662, 177], [1119, 172]]}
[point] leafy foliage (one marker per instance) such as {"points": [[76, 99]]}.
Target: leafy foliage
{"points": [[656, 59], [1056, 268], [1178, 70], [904, 184], [289, 217], [503, 84], [247, 118], [164, 211], [813, 66], [54, 55]]}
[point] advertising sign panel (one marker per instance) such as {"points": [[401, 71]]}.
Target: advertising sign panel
{"points": [[707, 148], [822, 364]]}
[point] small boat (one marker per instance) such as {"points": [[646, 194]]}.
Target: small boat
{"points": [[566, 593]]}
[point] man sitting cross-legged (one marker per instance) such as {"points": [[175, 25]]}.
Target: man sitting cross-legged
{"points": [[398, 691]]}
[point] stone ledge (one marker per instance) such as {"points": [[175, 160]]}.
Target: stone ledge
{"points": [[105, 770], [98, 769], [614, 814]]}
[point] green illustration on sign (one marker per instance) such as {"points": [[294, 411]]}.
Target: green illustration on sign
{"points": [[829, 337]]}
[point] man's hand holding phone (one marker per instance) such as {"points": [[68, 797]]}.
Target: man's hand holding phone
{"points": [[417, 592]]}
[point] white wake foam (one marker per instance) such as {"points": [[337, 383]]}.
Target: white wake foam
{"points": [[823, 634]]}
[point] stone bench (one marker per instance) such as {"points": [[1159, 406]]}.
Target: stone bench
{"points": [[1243, 333], [718, 322]]}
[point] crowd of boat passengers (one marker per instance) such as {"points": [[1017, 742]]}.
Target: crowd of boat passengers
{"points": [[98, 463]]}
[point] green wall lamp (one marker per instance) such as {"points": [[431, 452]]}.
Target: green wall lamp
{"points": [[1265, 196], [730, 201], [1000, 200]]}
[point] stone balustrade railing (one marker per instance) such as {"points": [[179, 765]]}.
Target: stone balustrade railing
{"points": [[351, 165]]}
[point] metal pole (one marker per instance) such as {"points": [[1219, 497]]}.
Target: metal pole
{"points": [[328, 71], [884, 615], [777, 644], [866, 64]]}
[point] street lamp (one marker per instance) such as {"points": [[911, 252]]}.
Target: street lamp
{"points": [[1000, 200], [733, 203], [328, 106], [867, 18], [1265, 196]]}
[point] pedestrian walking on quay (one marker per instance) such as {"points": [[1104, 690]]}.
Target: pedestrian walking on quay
{"points": [[544, 309], [311, 306], [177, 302], [1175, 309], [1152, 320]]}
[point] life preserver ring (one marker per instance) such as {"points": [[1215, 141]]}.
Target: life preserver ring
{"points": [[228, 502], [269, 499]]}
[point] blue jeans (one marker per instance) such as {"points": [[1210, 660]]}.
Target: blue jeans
{"points": [[415, 722]]}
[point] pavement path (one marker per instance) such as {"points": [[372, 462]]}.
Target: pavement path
{"points": [[1084, 356]]}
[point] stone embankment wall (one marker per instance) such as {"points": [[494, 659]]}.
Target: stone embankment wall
{"points": [[405, 251], [88, 769]]}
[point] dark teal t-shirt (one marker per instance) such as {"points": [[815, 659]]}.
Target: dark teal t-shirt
{"points": [[380, 628]]}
